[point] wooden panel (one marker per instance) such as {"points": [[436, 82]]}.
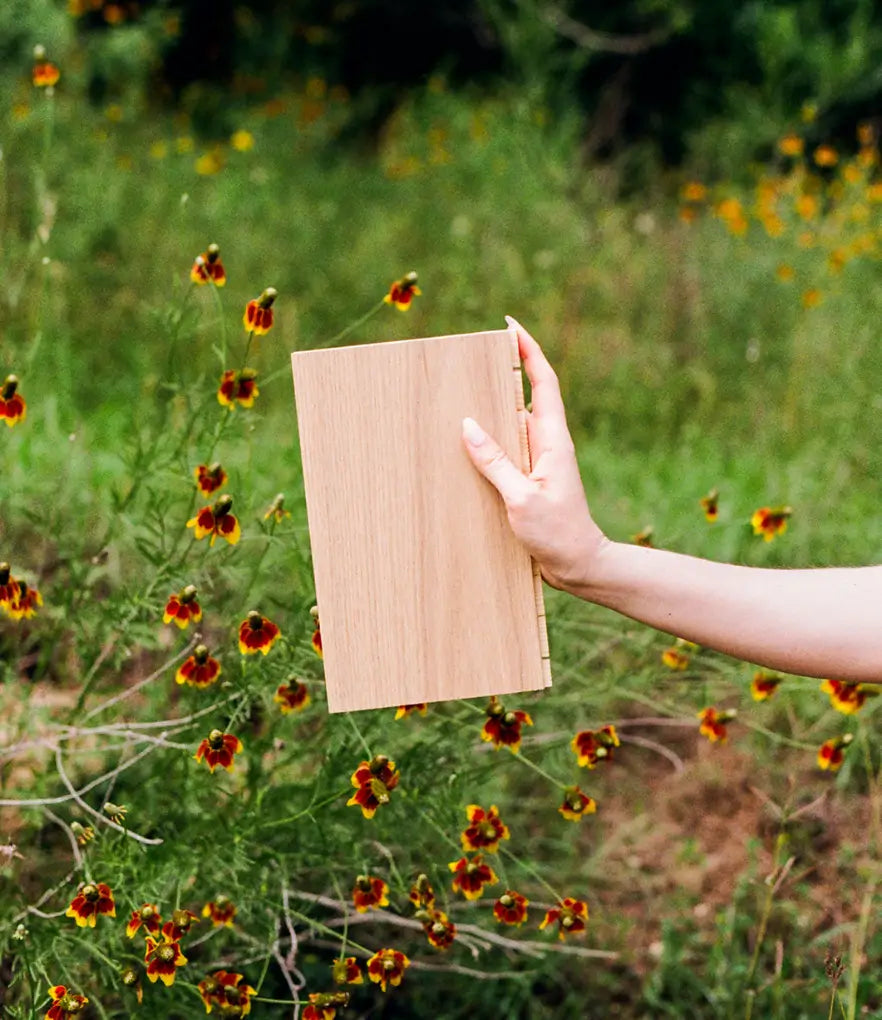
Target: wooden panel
{"points": [[423, 592]]}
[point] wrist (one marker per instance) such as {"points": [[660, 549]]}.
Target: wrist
{"points": [[595, 579]]}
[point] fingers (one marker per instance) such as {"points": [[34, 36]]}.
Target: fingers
{"points": [[547, 424], [543, 379], [493, 463]]}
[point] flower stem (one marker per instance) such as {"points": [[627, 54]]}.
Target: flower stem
{"points": [[223, 323], [358, 322], [359, 735], [306, 811], [540, 771], [533, 873]]}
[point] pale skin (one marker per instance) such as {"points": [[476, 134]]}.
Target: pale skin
{"points": [[821, 622]]}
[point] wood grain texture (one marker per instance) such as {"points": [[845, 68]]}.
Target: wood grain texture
{"points": [[424, 594]]}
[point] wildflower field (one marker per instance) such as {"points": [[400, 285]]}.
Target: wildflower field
{"points": [[664, 832]]}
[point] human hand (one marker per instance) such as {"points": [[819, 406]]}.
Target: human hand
{"points": [[547, 509]]}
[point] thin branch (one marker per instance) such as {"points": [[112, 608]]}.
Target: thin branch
{"points": [[129, 691], [600, 42], [59, 764], [453, 968], [68, 831], [77, 794], [652, 745], [528, 948]]}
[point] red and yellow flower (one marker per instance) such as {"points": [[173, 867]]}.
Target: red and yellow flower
{"points": [[373, 780], [26, 602], [162, 959], [511, 908], [470, 876], [677, 656], [209, 477], [238, 387], [422, 895], [317, 1010], [826, 156], [257, 634], [323, 1005], [115, 812], [84, 833], [570, 915], [439, 929], [147, 918], [129, 977], [216, 521], [65, 1004], [387, 967], [44, 73], [219, 749], [714, 723], [831, 754], [576, 804], [221, 910], [183, 608], [644, 537], [317, 633], [225, 989], [346, 971], [763, 685], [848, 697], [92, 899], [276, 509], [208, 268], [791, 145], [405, 710], [369, 891], [403, 291], [180, 924], [199, 669], [258, 317], [292, 696], [484, 831], [9, 588], [13, 408], [770, 521], [711, 505], [593, 746], [693, 191], [503, 728]]}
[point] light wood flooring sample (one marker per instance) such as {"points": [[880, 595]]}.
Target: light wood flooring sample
{"points": [[423, 592]]}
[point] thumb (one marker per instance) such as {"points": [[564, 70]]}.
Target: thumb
{"points": [[493, 462]]}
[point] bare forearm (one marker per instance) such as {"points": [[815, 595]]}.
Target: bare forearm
{"points": [[819, 622]]}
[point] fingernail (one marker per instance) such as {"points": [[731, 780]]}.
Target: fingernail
{"points": [[474, 434], [513, 323]]}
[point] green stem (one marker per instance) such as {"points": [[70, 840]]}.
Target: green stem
{"points": [[325, 930], [306, 811], [358, 322], [223, 322], [763, 923], [533, 873], [359, 735], [540, 771]]}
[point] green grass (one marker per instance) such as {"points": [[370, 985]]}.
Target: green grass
{"points": [[685, 366]]}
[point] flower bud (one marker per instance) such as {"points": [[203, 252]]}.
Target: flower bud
{"points": [[267, 297], [222, 506], [115, 811]]}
